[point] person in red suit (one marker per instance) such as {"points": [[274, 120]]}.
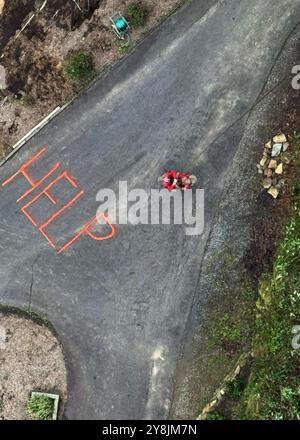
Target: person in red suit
{"points": [[172, 180]]}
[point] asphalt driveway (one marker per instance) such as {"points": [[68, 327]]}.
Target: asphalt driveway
{"points": [[120, 306]]}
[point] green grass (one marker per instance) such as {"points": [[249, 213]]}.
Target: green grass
{"points": [[273, 390], [79, 67], [137, 14], [40, 407], [231, 322], [124, 49], [214, 415], [226, 330], [233, 389], [232, 325]]}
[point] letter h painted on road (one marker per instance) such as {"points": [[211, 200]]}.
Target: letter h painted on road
{"points": [[46, 192]]}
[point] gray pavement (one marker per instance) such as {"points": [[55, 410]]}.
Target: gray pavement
{"points": [[121, 306]]}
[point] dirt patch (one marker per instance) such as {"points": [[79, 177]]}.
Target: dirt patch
{"points": [[31, 359], [13, 14], [266, 232], [34, 61]]}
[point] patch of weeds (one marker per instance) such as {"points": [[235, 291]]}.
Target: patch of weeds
{"points": [[229, 328], [226, 330], [249, 294], [40, 407], [137, 14], [233, 331], [214, 415], [231, 324], [228, 257], [27, 101], [222, 258], [234, 389], [124, 49], [79, 67]]}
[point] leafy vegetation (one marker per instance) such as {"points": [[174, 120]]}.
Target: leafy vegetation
{"points": [[230, 331], [234, 389], [27, 101], [226, 330], [40, 407], [137, 14], [214, 415], [79, 67], [124, 49]]}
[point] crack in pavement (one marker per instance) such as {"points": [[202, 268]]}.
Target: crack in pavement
{"points": [[31, 284]]}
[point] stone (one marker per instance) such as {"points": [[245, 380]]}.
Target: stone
{"points": [[276, 150], [268, 145], [267, 183], [285, 146], [260, 171], [273, 192], [279, 169], [266, 152], [237, 371], [3, 84], [280, 138], [268, 172], [273, 164], [263, 161]]}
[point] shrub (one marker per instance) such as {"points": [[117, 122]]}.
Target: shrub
{"points": [[124, 49], [234, 389], [137, 14], [214, 415], [40, 407], [79, 67]]}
